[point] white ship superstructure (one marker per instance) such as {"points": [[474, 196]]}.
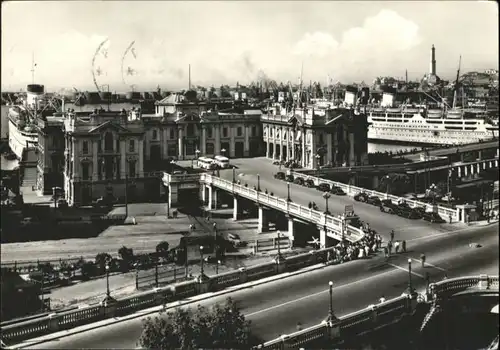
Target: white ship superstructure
{"points": [[419, 124]]}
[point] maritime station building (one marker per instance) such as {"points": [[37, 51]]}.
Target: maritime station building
{"points": [[100, 153]]}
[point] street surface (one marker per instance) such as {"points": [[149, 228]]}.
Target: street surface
{"points": [[405, 229], [275, 308]]}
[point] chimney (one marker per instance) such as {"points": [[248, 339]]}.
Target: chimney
{"points": [[433, 61]]}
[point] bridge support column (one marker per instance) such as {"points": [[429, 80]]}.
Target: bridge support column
{"points": [[215, 197], [496, 163], [212, 198], [173, 195], [324, 240], [291, 232], [263, 225], [466, 171], [472, 169], [237, 210], [478, 167], [480, 155], [375, 182]]}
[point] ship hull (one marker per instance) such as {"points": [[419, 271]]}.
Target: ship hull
{"points": [[20, 141], [441, 137]]}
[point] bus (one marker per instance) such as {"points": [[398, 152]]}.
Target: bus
{"points": [[206, 163], [222, 162]]}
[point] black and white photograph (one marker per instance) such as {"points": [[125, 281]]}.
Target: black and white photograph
{"points": [[250, 175]]}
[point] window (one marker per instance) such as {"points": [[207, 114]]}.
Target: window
{"points": [[131, 146], [224, 132], [85, 171], [254, 131], [321, 138], [85, 147], [131, 168], [155, 134], [117, 145], [108, 142], [239, 131], [172, 134], [209, 132]]}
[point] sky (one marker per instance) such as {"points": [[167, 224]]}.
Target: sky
{"points": [[234, 41]]}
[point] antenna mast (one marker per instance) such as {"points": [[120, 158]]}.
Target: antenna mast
{"points": [[189, 74]]}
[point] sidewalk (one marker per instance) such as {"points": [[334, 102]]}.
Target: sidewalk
{"points": [[123, 285]]}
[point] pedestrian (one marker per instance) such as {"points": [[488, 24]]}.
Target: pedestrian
{"points": [[389, 247], [396, 247], [310, 205], [422, 259], [450, 217], [386, 252], [367, 251], [392, 235], [403, 245]]}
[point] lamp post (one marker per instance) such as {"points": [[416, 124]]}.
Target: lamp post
{"points": [[234, 175], [326, 196], [288, 199], [409, 277], [387, 179], [217, 267], [331, 317], [197, 152], [278, 257], [108, 294], [258, 183], [201, 259]]}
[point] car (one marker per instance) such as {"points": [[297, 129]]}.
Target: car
{"points": [[337, 191], [276, 162], [361, 197], [385, 208], [323, 187], [289, 178], [295, 165], [280, 175], [309, 183], [409, 214], [433, 217], [298, 181], [373, 200]]}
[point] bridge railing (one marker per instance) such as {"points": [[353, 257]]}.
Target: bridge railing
{"points": [[389, 312], [353, 190], [332, 224], [46, 324]]}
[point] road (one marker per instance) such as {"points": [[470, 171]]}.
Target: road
{"points": [[247, 170], [275, 308]]}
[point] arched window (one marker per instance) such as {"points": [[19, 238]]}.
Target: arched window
{"points": [[108, 142]]}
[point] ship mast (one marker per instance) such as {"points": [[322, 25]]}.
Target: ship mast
{"points": [[33, 65], [456, 83]]}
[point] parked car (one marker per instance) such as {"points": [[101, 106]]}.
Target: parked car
{"points": [[387, 208], [276, 162], [409, 214], [310, 183], [433, 217], [361, 197], [289, 178], [280, 175], [373, 200], [295, 165], [337, 191], [323, 187], [299, 181], [235, 240]]}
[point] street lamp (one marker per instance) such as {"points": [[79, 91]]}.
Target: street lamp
{"points": [[258, 183], [217, 267], [288, 199], [331, 317], [201, 259], [197, 152], [108, 294], [387, 186], [409, 277], [326, 196], [234, 175]]}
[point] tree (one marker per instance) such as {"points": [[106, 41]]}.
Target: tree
{"points": [[220, 327], [162, 250], [100, 261], [127, 254]]}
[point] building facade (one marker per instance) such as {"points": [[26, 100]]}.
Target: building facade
{"points": [[314, 137]]}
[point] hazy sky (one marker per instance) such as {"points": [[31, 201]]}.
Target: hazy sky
{"points": [[233, 41]]}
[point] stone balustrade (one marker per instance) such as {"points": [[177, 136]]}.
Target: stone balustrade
{"points": [[353, 190], [386, 313], [332, 224]]}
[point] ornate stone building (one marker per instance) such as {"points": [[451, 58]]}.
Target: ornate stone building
{"points": [[314, 136]]}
